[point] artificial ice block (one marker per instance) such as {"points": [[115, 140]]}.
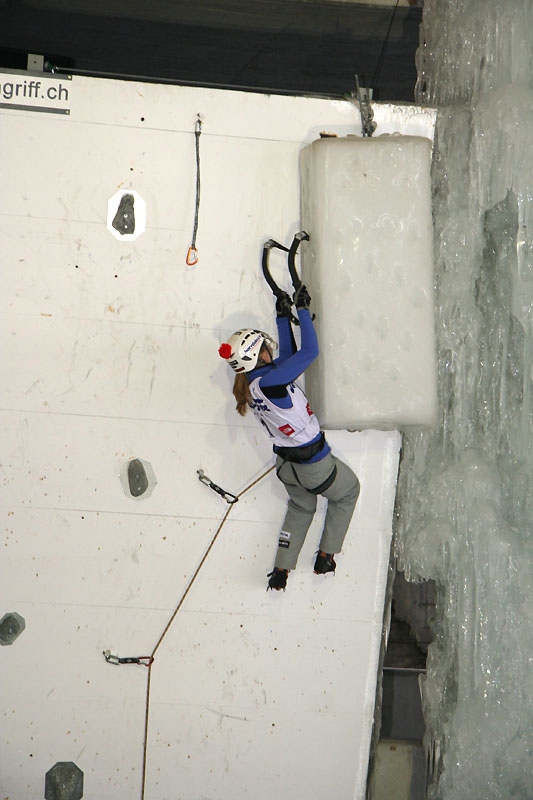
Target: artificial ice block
{"points": [[366, 204]]}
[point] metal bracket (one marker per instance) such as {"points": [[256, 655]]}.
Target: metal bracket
{"points": [[35, 62], [364, 96]]}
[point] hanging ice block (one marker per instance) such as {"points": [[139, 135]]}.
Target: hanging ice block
{"points": [[366, 204]]}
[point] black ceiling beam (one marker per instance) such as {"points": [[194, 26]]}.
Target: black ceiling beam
{"points": [[321, 56]]}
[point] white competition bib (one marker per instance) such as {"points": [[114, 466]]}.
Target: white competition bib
{"points": [[286, 427]]}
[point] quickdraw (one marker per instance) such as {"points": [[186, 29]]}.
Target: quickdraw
{"points": [[292, 250], [365, 109], [111, 658], [192, 252], [228, 496]]}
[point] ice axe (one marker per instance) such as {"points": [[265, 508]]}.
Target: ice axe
{"points": [[295, 278]]}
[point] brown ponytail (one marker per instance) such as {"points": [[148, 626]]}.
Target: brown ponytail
{"points": [[241, 391]]}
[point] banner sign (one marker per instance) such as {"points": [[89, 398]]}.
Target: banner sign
{"points": [[35, 91]]}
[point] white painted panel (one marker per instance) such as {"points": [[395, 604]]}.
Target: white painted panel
{"points": [[73, 461], [101, 559], [123, 370], [62, 702], [266, 754], [159, 165], [231, 113], [286, 725], [125, 561], [110, 353], [250, 548]]}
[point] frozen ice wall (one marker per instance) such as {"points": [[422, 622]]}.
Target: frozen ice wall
{"points": [[369, 266], [466, 488]]}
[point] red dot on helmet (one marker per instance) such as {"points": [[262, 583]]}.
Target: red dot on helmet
{"points": [[224, 350]]}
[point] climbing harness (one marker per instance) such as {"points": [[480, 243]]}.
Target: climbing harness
{"points": [[302, 453], [228, 496], [291, 251], [291, 460], [192, 253], [111, 658]]}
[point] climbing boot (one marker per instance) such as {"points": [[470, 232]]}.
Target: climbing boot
{"points": [[324, 563], [278, 579]]}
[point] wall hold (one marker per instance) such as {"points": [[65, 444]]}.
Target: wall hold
{"points": [[64, 781], [124, 219], [11, 626], [126, 215], [138, 479]]}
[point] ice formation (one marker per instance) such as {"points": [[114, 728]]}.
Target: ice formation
{"points": [[465, 495], [367, 204]]}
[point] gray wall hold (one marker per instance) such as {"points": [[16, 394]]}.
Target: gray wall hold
{"points": [[124, 219], [138, 479], [64, 781], [138, 482], [126, 215], [11, 626]]}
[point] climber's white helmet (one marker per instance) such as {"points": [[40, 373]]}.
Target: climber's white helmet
{"points": [[241, 351]]}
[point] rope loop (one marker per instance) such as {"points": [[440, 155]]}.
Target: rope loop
{"points": [[192, 253]]}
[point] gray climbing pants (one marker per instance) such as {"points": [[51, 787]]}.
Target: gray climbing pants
{"points": [[302, 482]]}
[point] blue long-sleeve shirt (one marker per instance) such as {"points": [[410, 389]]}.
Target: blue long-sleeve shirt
{"points": [[290, 363]]}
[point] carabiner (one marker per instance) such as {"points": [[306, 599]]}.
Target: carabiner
{"points": [[228, 496], [111, 658], [192, 256]]}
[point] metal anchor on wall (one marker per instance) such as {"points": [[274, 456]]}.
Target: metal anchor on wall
{"points": [[364, 96]]}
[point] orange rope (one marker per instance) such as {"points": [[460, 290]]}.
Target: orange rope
{"points": [[174, 615]]}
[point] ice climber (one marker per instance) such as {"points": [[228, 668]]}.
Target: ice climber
{"points": [[304, 461]]}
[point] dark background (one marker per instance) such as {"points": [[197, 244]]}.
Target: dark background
{"points": [[312, 47]]}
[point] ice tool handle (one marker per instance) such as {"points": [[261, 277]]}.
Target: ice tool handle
{"points": [[295, 278], [276, 291], [299, 237], [302, 236], [267, 247]]}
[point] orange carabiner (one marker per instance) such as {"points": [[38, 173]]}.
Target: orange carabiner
{"points": [[192, 256]]}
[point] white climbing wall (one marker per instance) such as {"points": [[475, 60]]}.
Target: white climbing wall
{"points": [[109, 353]]}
